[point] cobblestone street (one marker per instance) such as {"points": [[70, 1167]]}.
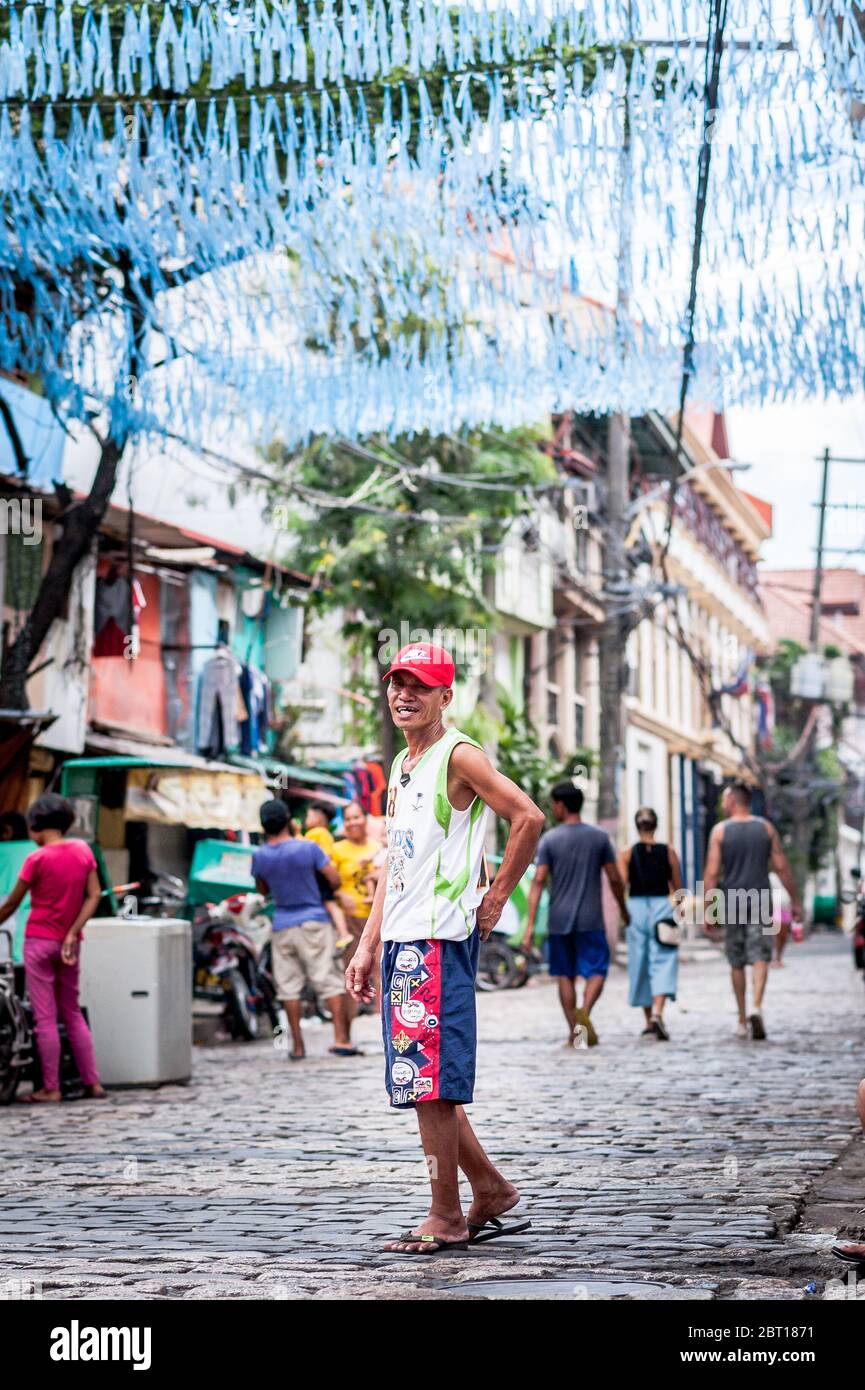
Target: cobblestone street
{"points": [[707, 1167]]}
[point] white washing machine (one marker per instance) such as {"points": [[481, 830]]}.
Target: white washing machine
{"points": [[136, 984]]}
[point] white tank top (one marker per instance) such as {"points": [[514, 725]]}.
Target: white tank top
{"points": [[436, 869]]}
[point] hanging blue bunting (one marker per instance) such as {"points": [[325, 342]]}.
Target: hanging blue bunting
{"points": [[327, 270]]}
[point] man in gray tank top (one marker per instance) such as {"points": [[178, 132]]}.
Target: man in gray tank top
{"points": [[742, 850]]}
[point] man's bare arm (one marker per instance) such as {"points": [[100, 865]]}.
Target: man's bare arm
{"points": [[358, 976], [712, 871], [617, 883], [781, 865], [474, 771], [330, 873], [540, 881]]}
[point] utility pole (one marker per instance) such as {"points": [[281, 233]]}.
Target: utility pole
{"points": [[614, 633], [818, 567], [614, 565]]}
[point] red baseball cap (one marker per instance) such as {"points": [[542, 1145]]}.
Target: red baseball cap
{"points": [[432, 665]]}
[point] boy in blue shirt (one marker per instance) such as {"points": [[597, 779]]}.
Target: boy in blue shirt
{"points": [[285, 868]]}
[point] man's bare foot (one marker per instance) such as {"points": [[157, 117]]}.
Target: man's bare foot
{"points": [[449, 1232], [854, 1253], [494, 1201], [41, 1097]]}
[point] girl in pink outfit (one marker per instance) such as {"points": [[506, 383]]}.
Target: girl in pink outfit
{"points": [[63, 884]]}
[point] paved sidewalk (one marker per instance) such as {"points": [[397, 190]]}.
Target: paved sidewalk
{"points": [[687, 1167]]}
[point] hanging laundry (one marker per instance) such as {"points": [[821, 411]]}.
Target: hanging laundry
{"points": [[255, 689], [113, 635], [765, 714], [219, 700], [378, 784], [365, 787], [353, 789]]}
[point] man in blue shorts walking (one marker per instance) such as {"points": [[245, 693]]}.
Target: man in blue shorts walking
{"points": [[570, 861]]}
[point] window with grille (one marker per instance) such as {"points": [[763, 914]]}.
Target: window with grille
{"points": [[579, 726]]}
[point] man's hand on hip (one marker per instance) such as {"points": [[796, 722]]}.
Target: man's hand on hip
{"points": [[488, 914]]}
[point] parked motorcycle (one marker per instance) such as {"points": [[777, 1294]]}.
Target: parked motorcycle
{"points": [[19, 1056], [16, 1034], [859, 924], [167, 896], [231, 964], [503, 961]]}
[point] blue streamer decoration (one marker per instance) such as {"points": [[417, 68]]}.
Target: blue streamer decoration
{"points": [[317, 269]]}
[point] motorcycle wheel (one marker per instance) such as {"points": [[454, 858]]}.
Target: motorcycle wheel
{"points": [[241, 1014], [272, 1006], [310, 1007], [522, 969], [497, 966]]}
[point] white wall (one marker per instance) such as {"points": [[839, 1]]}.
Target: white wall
{"points": [[647, 754], [63, 686], [317, 687]]}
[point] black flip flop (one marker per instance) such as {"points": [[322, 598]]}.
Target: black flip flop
{"points": [[345, 1052], [493, 1228], [758, 1032], [841, 1254], [433, 1245], [297, 1056]]}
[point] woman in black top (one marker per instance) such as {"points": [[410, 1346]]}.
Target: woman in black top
{"points": [[652, 873]]}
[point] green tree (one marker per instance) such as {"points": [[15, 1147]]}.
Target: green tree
{"points": [[804, 785], [391, 534]]}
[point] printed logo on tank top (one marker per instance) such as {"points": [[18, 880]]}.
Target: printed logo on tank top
{"points": [[400, 844]]}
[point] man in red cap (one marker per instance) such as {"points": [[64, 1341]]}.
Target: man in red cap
{"points": [[432, 907]]}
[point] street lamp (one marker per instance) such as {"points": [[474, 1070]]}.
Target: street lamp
{"points": [[640, 502]]}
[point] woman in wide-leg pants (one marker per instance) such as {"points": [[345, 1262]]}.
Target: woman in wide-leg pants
{"points": [[652, 873]]}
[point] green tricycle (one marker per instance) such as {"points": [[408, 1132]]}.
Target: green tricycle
{"points": [[504, 963]]}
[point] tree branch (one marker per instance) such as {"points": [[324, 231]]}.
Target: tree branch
{"points": [[21, 460]]}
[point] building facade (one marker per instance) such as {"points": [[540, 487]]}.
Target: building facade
{"points": [[690, 702]]}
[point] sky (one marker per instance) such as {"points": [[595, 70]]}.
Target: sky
{"points": [[783, 443]]}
